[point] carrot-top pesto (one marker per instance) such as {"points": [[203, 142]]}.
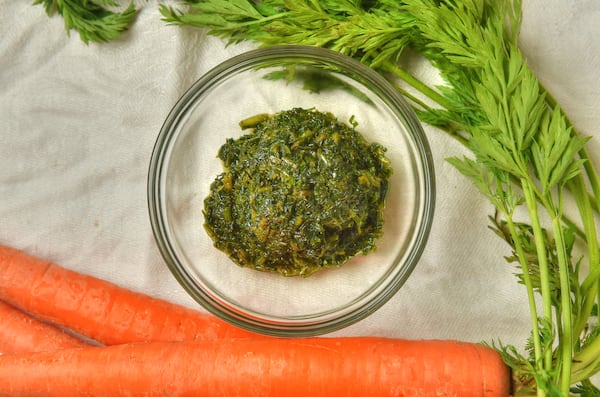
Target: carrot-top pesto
{"points": [[301, 191]]}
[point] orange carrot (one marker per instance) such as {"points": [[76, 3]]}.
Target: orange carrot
{"points": [[20, 333], [316, 367], [98, 309]]}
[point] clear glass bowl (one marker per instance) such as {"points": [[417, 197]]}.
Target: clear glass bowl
{"points": [[184, 163]]}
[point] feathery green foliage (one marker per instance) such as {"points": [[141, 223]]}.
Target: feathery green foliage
{"points": [[94, 20]]}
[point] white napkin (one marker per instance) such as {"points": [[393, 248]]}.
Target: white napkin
{"points": [[78, 123]]}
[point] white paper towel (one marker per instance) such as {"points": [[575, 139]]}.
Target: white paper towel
{"points": [[78, 123]]}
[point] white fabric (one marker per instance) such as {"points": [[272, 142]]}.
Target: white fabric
{"points": [[78, 123]]}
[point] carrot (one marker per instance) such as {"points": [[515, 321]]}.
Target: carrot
{"points": [[100, 310], [20, 333], [327, 367]]}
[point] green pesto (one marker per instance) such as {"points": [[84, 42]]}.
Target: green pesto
{"points": [[300, 192]]}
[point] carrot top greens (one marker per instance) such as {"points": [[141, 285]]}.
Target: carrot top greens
{"points": [[94, 20], [300, 192]]}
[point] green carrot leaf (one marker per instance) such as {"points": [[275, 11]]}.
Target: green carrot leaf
{"points": [[94, 20]]}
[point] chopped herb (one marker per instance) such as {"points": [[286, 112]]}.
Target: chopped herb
{"points": [[300, 192]]}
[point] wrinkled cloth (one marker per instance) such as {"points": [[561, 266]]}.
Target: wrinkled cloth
{"points": [[78, 124]]}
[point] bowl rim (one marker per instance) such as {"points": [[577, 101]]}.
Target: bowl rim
{"points": [[385, 91]]}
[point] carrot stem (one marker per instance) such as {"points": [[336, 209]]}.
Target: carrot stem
{"points": [[537, 347], [417, 84], [567, 331], [531, 200]]}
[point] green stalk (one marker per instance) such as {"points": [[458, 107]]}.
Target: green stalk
{"points": [[532, 206], [452, 129], [416, 83], [594, 180], [567, 323], [418, 103], [589, 286], [586, 362], [537, 348]]}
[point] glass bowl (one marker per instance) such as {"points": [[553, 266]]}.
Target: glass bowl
{"points": [[184, 163]]}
